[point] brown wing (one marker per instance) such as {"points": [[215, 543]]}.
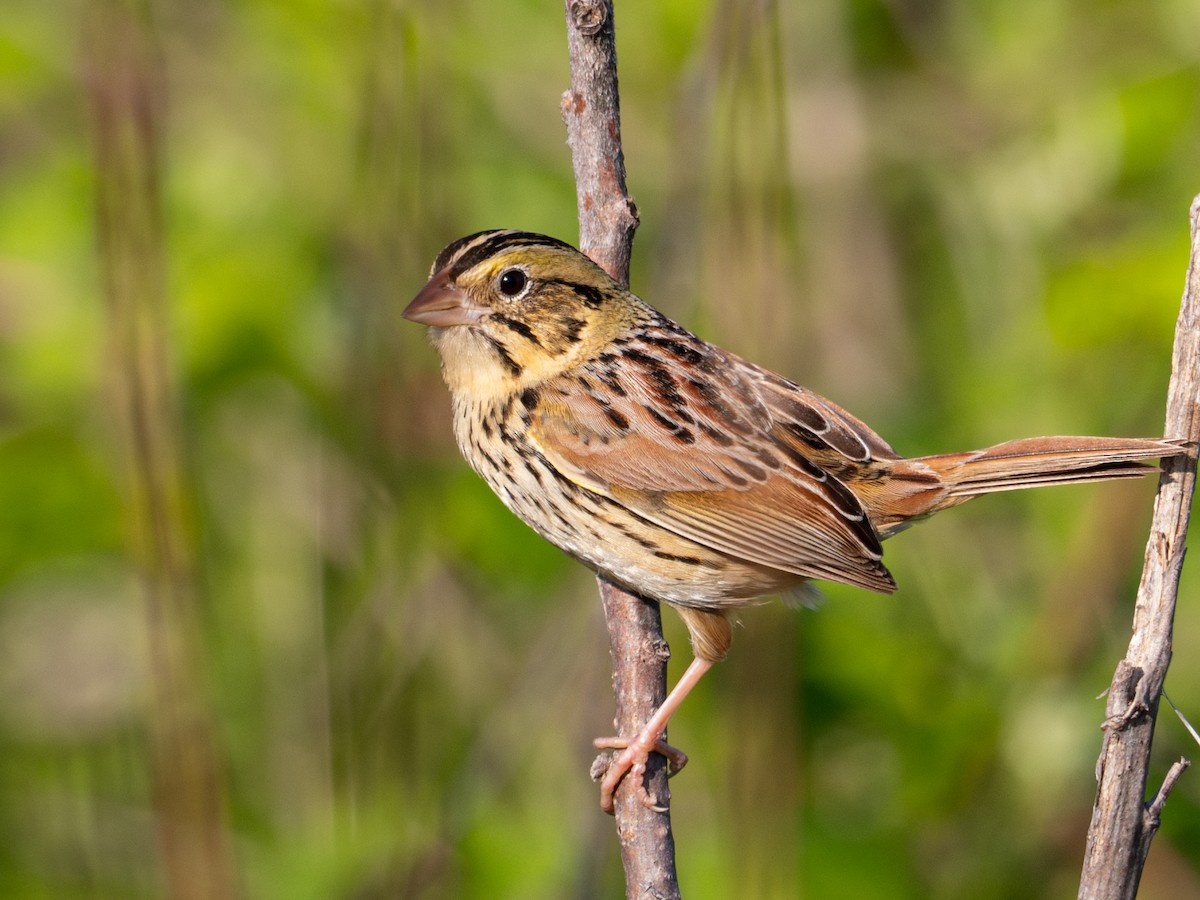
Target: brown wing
{"points": [[719, 451]]}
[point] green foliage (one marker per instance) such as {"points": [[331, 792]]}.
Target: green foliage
{"points": [[965, 222]]}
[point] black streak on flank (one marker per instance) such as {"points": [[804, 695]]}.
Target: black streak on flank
{"points": [[633, 535], [562, 520], [492, 461], [564, 483], [529, 399], [671, 557], [535, 472], [505, 410]]}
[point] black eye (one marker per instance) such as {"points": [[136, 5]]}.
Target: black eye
{"points": [[512, 282]]}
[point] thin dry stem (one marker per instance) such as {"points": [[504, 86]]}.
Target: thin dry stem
{"points": [[1122, 823]]}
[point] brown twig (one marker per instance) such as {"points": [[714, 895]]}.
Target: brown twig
{"points": [[1122, 822], [592, 112], [640, 656], [607, 221]]}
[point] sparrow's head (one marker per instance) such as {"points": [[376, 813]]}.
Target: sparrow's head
{"points": [[509, 309]]}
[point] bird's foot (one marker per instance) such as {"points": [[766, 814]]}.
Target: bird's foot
{"points": [[632, 761]]}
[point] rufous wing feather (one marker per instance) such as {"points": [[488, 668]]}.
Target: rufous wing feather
{"points": [[669, 449]]}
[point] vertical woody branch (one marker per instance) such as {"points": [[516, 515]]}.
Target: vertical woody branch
{"points": [[1123, 823], [592, 111], [607, 221]]}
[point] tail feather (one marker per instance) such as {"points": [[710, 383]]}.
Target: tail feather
{"points": [[1035, 462], [916, 488]]}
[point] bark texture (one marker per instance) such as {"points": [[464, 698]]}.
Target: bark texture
{"points": [[607, 221], [1123, 823]]}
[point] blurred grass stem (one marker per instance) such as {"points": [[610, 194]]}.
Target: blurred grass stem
{"points": [[124, 79]]}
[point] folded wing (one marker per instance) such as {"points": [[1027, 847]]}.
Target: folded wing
{"points": [[718, 451]]}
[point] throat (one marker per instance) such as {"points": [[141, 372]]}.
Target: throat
{"points": [[482, 364], [475, 364]]}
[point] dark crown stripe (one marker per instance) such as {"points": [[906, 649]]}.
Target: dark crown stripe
{"points": [[470, 251], [454, 248]]}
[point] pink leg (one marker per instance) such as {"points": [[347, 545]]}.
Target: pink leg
{"points": [[635, 751]]}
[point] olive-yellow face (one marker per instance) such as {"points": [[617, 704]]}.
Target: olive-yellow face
{"points": [[508, 309]]}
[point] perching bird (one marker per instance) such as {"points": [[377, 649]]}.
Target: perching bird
{"points": [[679, 470]]}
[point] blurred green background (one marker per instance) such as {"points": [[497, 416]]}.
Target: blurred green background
{"points": [[263, 633]]}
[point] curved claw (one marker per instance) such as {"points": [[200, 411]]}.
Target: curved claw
{"points": [[632, 761], [635, 752], [676, 758]]}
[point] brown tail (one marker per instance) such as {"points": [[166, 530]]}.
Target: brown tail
{"points": [[1034, 462], [923, 486]]}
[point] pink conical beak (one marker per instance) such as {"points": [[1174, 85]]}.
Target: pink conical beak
{"points": [[441, 303]]}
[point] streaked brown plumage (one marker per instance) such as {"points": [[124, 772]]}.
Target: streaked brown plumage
{"points": [[675, 468]]}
